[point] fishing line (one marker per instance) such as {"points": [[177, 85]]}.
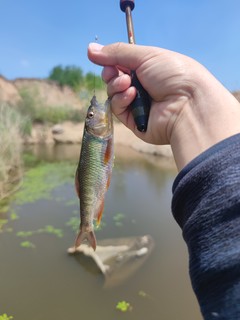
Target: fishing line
{"points": [[94, 76]]}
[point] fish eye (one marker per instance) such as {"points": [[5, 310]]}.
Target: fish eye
{"points": [[90, 114]]}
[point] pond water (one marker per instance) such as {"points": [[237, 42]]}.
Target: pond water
{"points": [[39, 280]]}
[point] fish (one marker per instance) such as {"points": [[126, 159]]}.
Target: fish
{"points": [[94, 169]]}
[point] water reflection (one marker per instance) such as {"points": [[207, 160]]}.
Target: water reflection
{"points": [[45, 283]]}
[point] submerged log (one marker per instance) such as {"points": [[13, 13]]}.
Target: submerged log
{"points": [[117, 259]]}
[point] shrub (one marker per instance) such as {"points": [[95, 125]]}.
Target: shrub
{"points": [[71, 76], [11, 124], [33, 108]]}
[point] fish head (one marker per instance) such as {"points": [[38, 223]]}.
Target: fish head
{"points": [[99, 119]]}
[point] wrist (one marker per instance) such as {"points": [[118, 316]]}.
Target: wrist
{"points": [[209, 115]]}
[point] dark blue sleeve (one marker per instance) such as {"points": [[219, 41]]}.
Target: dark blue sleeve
{"points": [[206, 205]]}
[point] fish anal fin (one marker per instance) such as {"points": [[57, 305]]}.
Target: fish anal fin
{"points": [[77, 186], [99, 212], [89, 236], [108, 181]]}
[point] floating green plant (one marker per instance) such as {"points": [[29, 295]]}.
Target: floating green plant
{"points": [[5, 317], [41, 180], [2, 223], [47, 229], [27, 244], [73, 222], [25, 234], [51, 230], [123, 306], [13, 215], [72, 202], [4, 208], [142, 294], [118, 219]]}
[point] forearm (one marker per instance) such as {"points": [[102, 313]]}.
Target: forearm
{"points": [[206, 205]]}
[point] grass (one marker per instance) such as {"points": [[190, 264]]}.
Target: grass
{"points": [[11, 126], [33, 106]]}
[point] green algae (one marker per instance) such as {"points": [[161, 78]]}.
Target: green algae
{"points": [[45, 230], [40, 181], [27, 244]]}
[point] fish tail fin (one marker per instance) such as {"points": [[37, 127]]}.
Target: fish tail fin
{"points": [[90, 236]]}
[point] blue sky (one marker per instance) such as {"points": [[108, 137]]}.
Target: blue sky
{"points": [[37, 35]]}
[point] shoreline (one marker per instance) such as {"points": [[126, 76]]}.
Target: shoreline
{"points": [[71, 133]]}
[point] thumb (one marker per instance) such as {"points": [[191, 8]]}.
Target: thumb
{"points": [[119, 54]]}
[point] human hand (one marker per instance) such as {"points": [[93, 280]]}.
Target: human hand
{"points": [[189, 109]]}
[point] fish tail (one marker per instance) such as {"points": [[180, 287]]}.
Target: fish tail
{"points": [[90, 236]]}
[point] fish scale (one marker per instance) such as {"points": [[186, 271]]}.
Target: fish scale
{"points": [[92, 170]]}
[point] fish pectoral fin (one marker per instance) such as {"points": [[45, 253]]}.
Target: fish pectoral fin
{"points": [[90, 236], [108, 152], [77, 186]]}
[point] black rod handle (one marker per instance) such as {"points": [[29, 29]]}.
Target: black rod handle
{"points": [[140, 106]]}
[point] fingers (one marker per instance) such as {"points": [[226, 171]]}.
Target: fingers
{"points": [[118, 84], [119, 54], [116, 80], [120, 106], [109, 72]]}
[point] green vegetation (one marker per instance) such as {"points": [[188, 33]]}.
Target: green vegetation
{"points": [[73, 222], [5, 317], [11, 128], [92, 81], [27, 244], [118, 219], [46, 230], [33, 107], [73, 77], [2, 223], [38, 183], [123, 306], [40, 180]]}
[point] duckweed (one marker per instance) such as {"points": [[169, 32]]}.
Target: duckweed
{"points": [[123, 306], [47, 230], [5, 317], [27, 244]]}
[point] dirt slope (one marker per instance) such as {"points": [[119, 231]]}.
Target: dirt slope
{"points": [[49, 92], [8, 91]]}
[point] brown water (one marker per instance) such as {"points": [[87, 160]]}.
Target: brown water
{"points": [[46, 283]]}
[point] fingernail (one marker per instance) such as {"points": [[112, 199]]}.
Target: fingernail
{"points": [[95, 47]]}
